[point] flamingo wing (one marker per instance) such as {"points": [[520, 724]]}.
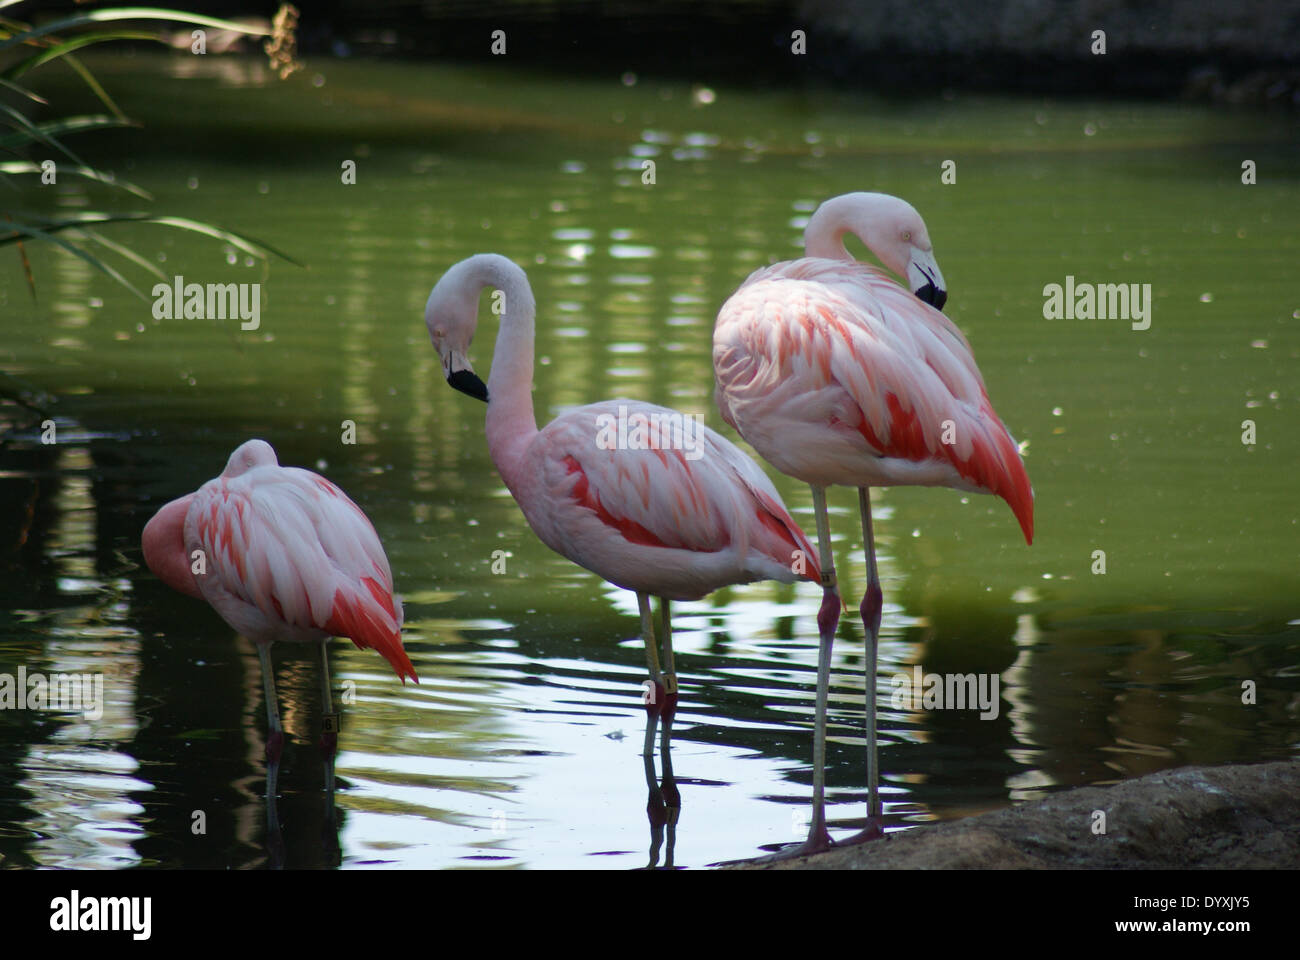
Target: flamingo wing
{"points": [[687, 487], [292, 545], [843, 346]]}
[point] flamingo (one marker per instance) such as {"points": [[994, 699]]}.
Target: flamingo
{"points": [[281, 554], [654, 518], [837, 375]]}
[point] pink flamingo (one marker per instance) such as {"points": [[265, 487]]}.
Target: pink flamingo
{"points": [[837, 375], [676, 513], [281, 554]]}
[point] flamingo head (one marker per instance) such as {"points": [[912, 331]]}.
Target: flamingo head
{"points": [[890, 228], [451, 315], [163, 542], [250, 454]]}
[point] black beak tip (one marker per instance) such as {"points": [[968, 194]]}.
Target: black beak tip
{"points": [[933, 296], [468, 383]]}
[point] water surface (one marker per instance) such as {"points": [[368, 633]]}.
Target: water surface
{"points": [[521, 745]]}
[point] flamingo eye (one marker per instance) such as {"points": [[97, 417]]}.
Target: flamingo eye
{"points": [[439, 332], [907, 236]]}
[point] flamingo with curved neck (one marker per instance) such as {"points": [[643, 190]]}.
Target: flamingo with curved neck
{"points": [[675, 517]]}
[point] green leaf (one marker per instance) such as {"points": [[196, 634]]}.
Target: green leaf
{"points": [[76, 251], [46, 132], [126, 253], [249, 245], [242, 241], [32, 133], [53, 53], [131, 13], [29, 166], [23, 90], [95, 88]]}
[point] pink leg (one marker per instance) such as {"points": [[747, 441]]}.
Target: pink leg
{"points": [[654, 704], [872, 605], [828, 618], [329, 737], [329, 744], [655, 813], [671, 795], [672, 798], [274, 732], [656, 810], [654, 698], [274, 747], [667, 712]]}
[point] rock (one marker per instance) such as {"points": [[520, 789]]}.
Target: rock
{"points": [[1224, 818]]}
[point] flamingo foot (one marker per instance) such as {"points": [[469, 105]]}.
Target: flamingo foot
{"points": [[874, 830], [818, 841]]}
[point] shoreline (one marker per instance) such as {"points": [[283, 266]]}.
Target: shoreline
{"points": [[1201, 818]]}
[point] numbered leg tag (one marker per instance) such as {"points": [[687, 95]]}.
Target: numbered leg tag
{"points": [[330, 723], [828, 578], [670, 683]]}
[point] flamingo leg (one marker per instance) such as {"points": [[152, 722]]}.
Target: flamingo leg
{"points": [[872, 604], [656, 814], [329, 738], [828, 618], [274, 743], [672, 798], [654, 697], [666, 628], [274, 732]]}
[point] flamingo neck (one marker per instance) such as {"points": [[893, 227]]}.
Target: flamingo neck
{"points": [[511, 423], [824, 235]]}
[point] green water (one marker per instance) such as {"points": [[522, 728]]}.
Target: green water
{"points": [[521, 745]]}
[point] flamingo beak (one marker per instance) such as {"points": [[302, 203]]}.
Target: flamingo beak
{"points": [[925, 279], [455, 366]]}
